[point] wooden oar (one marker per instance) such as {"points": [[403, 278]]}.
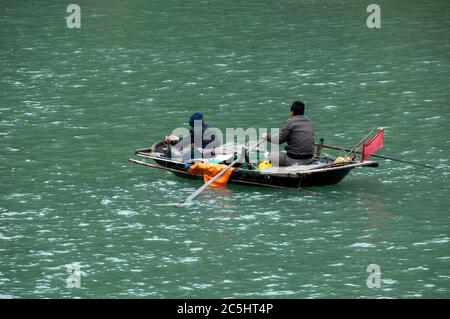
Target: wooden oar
{"points": [[379, 156], [206, 185]]}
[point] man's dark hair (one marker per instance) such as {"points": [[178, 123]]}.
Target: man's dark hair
{"points": [[298, 108]]}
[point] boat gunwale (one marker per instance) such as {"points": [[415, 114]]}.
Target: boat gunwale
{"points": [[292, 174]]}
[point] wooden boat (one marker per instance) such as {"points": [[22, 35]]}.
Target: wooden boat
{"points": [[323, 171]]}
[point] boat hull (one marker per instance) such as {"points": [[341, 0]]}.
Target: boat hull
{"points": [[251, 177], [325, 172]]}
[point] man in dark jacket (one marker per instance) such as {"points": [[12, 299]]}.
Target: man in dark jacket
{"points": [[298, 133], [200, 137]]}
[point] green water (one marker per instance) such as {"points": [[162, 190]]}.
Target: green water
{"points": [[76, 103]]}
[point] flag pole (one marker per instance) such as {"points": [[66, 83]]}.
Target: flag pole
{"points": [[362, 141]]}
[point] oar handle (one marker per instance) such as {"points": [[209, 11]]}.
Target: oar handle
{"points": [[378, 156]]}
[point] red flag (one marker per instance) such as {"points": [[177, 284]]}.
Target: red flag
{"points": [[372, 146]]}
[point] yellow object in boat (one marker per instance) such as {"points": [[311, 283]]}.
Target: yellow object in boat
{"points": [[264, 164], [341, 159]]}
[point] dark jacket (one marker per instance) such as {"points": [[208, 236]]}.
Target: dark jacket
{"points": [[204, 140], [298, 132]]}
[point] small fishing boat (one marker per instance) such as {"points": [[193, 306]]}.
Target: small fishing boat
{"points": [[325, 170]]}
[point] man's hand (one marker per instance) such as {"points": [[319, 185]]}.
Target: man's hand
{"points": [[170, 138]]}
